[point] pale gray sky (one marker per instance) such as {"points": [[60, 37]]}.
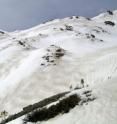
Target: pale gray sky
{"points": [[22, 14]]}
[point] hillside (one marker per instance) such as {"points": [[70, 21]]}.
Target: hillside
{"points": [[74, 54]]}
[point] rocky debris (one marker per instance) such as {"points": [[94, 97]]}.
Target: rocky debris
{"points": [[82, 82], [68, 27], [25, 44], [78, 34], [101, 40], [109, 23], [54, 53], [48, 60], [109, 12], [87, 97], [88, 35], [98, 29], [61, 29], [92, 37], [14, 38], [21, 43], [88, 19], [40, 35], [1, 32], [80, 85], [71, 17], [77, 17], [59, 53]]}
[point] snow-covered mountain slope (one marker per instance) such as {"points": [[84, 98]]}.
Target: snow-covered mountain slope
{"points": [[58, 56]]}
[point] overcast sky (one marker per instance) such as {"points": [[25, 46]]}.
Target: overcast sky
{"points": [[23, 14]]}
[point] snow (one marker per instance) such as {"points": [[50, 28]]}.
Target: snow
{"points": [[100, 111], [24, 81]]}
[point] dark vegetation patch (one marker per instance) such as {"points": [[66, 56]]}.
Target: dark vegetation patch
{"points": [[109, 23], [35, 106], [39, 111], [62, 107]]}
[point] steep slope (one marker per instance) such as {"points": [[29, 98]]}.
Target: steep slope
{"points": [[58, 56]]}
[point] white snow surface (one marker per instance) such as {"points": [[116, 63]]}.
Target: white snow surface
{"points": [[24, 81]]}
